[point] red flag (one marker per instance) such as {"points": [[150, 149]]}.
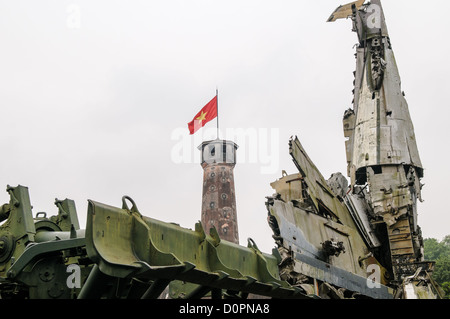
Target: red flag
{"points": [[206, 114]]}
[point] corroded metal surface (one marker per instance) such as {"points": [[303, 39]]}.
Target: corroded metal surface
{"points": [[382, 152]]}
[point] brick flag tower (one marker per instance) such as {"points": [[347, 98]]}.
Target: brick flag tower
{"points": [[218, 159]]}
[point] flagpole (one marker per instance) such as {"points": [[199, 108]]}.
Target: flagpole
{"points": [[217, 109]]}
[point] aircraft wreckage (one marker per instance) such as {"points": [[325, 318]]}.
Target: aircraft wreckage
{"points": [[334, 239]]}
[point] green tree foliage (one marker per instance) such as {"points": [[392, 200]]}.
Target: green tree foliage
{"points": [[446, 287], [439, 252]]}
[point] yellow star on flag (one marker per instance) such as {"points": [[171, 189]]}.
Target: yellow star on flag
{"points": [[202, 116], [206, 114]]}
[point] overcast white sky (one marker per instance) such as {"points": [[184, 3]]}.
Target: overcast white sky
{"points": [[95, 97]]}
